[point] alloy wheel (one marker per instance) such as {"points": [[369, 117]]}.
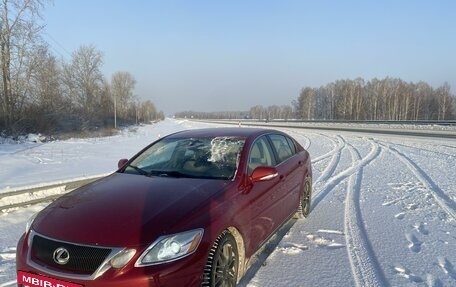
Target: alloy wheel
{"points": [[222, 267]]}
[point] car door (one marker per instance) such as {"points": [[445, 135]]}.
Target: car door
{"points": [[290, 170], [260, 197]]}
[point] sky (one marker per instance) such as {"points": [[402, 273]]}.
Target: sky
{"points": [[232, 55]]}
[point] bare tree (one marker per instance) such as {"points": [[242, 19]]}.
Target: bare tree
{"points": [[373, 99], [45, 81], [45, 104], [106, 104], [444, 100], [273, 112], [122, 86], [147, 112], [39, 93], [83, 81], [19, 28], [306, 102], [422, 93], [342, 90], [257, 112], [386, 99], [286, 112]]}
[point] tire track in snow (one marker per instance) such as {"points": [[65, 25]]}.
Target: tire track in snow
{"points": [[364, 264], [420, 148], [443, 200], [19, 151], [331, 167], [308, 143], [328, 154], [333, 181], [297, 134], [449, 146]]}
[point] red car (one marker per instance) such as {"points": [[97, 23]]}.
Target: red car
{"points": [[191, 209]]}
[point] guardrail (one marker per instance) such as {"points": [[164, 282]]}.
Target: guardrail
{"points": [[372, 122], [446, 132], [368, 122], [41, 193]]}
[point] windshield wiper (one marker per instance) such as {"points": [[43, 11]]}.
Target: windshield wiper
{"points": [[168, 173], [139, 170]]}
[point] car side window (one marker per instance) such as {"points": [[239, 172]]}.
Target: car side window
{"points": [[260, 154], [282, 147], [292, 145]]}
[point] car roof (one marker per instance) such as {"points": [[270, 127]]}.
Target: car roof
{"points": [[240, 132]]}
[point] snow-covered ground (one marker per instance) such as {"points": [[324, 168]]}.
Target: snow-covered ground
{"points": [[383, 212]]}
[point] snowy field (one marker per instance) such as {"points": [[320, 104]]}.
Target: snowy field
{"points": [[383, 212]]}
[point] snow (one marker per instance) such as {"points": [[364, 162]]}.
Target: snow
{"points": [[34, 163], [383, 211]]}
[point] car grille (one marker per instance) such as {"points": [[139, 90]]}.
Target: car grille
{"points": [[82, 259]]}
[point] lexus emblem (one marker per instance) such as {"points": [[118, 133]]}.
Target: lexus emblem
{"points": [[61, 256]]}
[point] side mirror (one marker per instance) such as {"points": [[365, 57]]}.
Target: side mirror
{"points": [[263, 173], [122, 162]]}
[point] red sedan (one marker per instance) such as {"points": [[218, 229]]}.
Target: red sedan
{"points": [[191, 209]]}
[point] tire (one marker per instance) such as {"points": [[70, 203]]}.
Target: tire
{"points": [[223, 263], [305, 201]]}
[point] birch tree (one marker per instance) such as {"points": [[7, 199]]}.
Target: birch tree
{"points": [[444, 100]]}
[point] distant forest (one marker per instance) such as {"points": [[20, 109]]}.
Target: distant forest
{"points": [[385, 99], [40, 93]]}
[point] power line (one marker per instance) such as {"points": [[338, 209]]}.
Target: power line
{"points": [[58, 44]]}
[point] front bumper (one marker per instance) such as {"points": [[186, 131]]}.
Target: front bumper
{"points": [[184, 272]]}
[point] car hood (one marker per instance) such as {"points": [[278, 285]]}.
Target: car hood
{"points": [[124, 209]]}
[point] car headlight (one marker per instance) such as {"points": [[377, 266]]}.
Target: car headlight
{"points": [[171, 247]]}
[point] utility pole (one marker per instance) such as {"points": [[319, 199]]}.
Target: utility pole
{"points": [[115, 112]]}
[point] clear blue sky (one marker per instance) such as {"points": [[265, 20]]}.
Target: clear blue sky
{"points": [[232, 55]]}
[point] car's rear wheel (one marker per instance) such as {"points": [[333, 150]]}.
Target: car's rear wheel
{"points": [[223, 263], [305, 200]]}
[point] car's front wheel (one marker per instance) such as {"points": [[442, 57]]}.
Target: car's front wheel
{"points": [[305, 200], [223, 263]]}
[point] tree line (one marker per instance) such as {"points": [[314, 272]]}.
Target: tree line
{"points": [[378, 99], [40, 93], [257, 112]]}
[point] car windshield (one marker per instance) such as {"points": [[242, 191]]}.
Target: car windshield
{"points": [[211, 158]]}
